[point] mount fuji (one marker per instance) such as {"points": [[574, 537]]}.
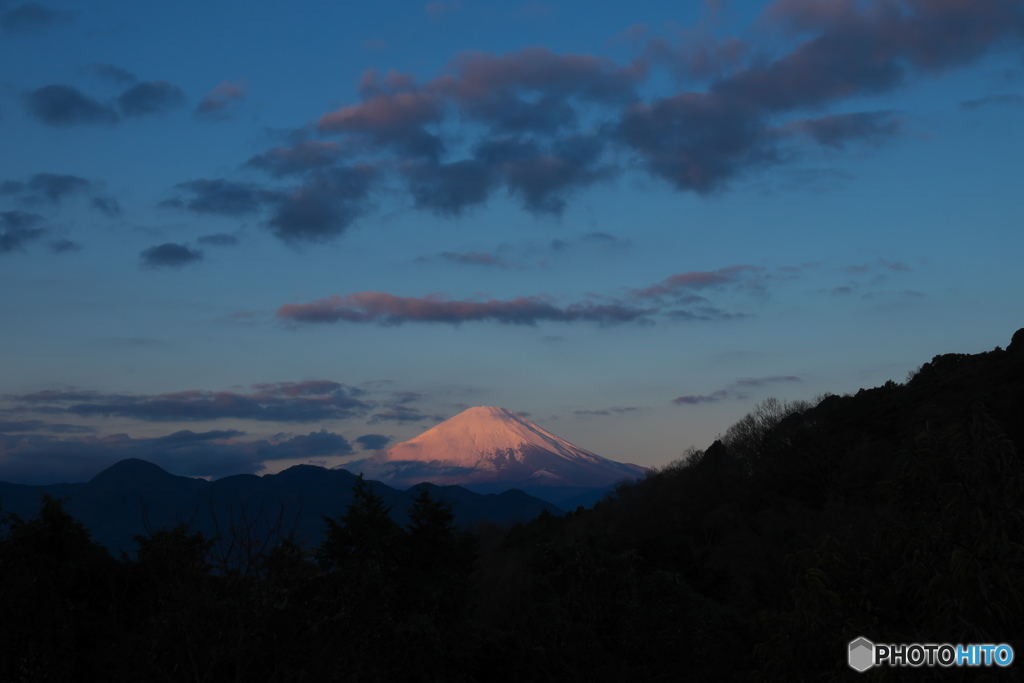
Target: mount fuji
{"points": [[488, 449]]}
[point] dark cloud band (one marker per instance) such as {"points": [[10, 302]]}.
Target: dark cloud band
{"points": [[309, 401]]}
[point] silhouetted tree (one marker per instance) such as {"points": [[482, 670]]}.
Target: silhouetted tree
{"points": [[753, 439], [365, 540], [439, 556], [57, 595], [362, 552]]}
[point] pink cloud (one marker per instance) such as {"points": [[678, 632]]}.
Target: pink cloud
{"points": [[387, 309], [217, 101], [394, 119], [536, 109], [383, 114], [479, 75], [372, 83], [807, 15], [693, 280]]}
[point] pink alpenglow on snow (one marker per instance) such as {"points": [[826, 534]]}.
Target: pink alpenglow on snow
{"points": [[484, 445]]}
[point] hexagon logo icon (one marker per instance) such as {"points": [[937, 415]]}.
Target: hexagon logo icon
{"points": [[862, 654]]}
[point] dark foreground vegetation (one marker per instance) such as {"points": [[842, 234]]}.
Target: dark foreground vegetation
{"points": [[896, 514]]}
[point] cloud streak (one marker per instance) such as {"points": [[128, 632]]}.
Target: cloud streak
{"points": [[691, 399], [681, 297], [735, 390], [840, 130], [605, 412], [993, 101], [15, 426], [387, 309], [682, 286], [34, 458], [402, 414], [219, 239], [470, 258], [309, 401]]}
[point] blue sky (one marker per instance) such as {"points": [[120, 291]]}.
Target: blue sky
{"points": [[235, 236]]}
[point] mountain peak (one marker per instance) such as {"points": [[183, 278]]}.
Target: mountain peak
{"points": [[132, 469], [485, 410], [486, 413], [482, 414], [492, 444]]}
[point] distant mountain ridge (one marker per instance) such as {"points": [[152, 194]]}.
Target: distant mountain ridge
{"points": [[134, 496], [489, 448]]}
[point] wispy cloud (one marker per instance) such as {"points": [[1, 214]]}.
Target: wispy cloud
{"points": [[16, 426], [605, 412], [169, 255], [993, 101], [437, 9], [865, 278], [468, 258], [676, 297], [64, 105], [220, 101], [298, 158], [308, 401], [373, 442], [402, 414], [108, 206], [735, 390], [149, 98], [694, 399], [323, 206], [112, 74], [388, 309], [47, 188], [219, 239], [682, 286], [839, 130], [31, 17], [18, 228], [63, 246]]}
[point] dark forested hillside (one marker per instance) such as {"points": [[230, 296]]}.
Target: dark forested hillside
{"points": [[896, 513], [133, 497]]}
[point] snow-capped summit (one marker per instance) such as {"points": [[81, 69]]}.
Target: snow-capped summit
{"points": [[487, 444]]}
